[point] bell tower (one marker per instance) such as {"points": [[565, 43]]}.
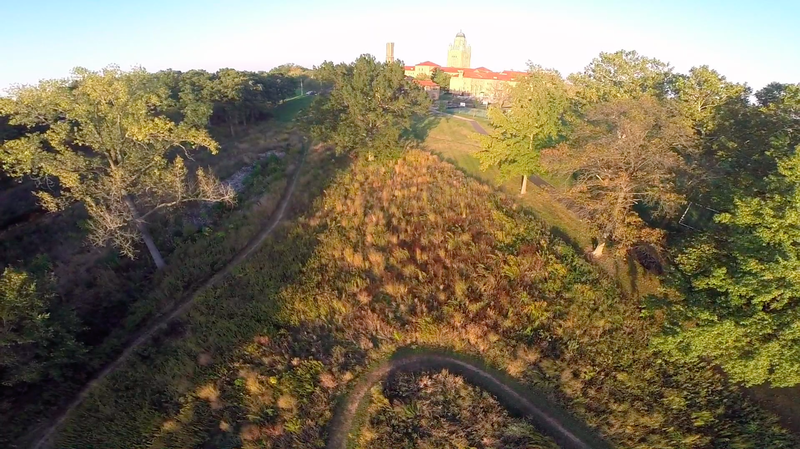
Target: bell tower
{"points": [[460, 53]]}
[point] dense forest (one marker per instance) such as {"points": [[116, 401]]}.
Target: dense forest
{"points": [[117, 201]]}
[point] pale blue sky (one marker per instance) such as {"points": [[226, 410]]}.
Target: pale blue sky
{"points": [[753, 41]]}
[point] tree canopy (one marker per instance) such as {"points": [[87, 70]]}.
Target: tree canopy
{"points": [[621, 154], [108, 145], [371, 108], [740, 303], [533, 121]]}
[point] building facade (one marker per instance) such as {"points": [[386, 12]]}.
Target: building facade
{"points": [[480, 83], [459, 54]]}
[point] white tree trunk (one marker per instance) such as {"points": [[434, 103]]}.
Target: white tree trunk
{"points": [[524, 188], [148, 239], [598, 252]]}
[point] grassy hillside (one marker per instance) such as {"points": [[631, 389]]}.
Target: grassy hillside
{"points": [[411, 252], [454, 140]]}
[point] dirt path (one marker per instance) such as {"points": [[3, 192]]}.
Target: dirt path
{"points": [[44, 433], [548, 418]]}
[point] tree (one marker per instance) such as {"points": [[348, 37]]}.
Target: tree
{"points": [[441, 78], [108, 147], [371, 107], [743, 288], [534, 121], [623, 154], [622, 74], [33, 344], [739, 282]]}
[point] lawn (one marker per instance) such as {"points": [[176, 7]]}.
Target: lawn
{"points": [[288, 110], [455, 141]]}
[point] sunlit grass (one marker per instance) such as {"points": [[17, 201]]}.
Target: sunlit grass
{"points": [[455, 141]]}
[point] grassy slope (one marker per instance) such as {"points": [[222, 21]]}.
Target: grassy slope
{"points": [[409, 253], [454, 140], [115, 297]]}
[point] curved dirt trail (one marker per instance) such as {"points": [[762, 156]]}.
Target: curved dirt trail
{"points": [[38, 442], [568, 432]]}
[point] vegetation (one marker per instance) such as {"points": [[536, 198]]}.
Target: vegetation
{"points": [[105, 147], [533, 122], [740, 278], [441, 78], [400, 250], [371, 108], [622, 154], [98, 300], [639, 141], [441, 410], [398, 253], [34, 344]]}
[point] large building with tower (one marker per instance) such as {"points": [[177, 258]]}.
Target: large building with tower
{"points": [[480, 83]]}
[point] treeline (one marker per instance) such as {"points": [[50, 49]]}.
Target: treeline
{"points": [[703, 170], [227, 97]]}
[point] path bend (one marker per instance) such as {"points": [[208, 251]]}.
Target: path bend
{"points": [[548, 418], [44, 434]]}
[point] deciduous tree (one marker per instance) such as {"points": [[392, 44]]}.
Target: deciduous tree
{"points": [[533, 121], [441, 78], [371, 108], [622, 74], [739, 301], [108, 147], [622, 154]]}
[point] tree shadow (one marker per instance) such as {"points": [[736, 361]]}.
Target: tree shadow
{"points": [[422, 126]]}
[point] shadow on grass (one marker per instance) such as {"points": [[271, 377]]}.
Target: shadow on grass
{"points": [[423, 126]]}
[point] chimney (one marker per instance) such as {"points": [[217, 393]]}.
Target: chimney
{"points": [[389, 52]]}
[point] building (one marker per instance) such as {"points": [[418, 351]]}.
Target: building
{"points": [[460, 53], [430, 87], [481, 83], [390, 52]]}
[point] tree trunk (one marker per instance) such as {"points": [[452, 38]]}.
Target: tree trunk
{"points": [[148, 239], [524, 189], [598, 252]]}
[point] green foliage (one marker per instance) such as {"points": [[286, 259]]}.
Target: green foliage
{"points": [[371, 108], [409, 252], [744, 295], [34, 344], [109, 149], [533, 121], [739, 279], [622, 74], [441, 78]]}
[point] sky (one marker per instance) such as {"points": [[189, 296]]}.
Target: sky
{"points": [[752, 41]]}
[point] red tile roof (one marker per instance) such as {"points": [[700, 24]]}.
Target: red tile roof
{"points": [[479, 73], [408, 67], [426, 83]]}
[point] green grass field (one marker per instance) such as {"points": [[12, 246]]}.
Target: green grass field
{"points": [[288, 110]]}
